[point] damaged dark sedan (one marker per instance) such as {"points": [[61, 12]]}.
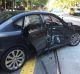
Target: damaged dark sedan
{"points": [[25, 33]]}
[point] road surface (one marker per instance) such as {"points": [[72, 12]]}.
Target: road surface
{"points": [[69, 57]]}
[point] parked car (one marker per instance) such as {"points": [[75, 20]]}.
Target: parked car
{"points": [[25, 33], [58, 12], [74, 11]]}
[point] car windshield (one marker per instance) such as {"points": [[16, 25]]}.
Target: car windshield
{"points": [[6, 15]]}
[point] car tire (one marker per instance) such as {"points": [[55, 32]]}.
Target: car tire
{"points": [[74, 39], [13, 59]]}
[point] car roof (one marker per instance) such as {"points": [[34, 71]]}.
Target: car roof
{"points": [[17, 15], [33, 12], [36, 12], [23, 13]]}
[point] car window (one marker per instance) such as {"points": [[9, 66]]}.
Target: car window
{"points": [[5, 15], [18, 24], [47, 18], [15, 26], [56, 21], [33, 21]]}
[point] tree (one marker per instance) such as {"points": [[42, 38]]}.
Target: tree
{"points": [[62, 4], [30, 3], [39, 2]]}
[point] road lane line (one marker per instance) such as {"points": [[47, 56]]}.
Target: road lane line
{"points": [[29, 66], [57, 62]]}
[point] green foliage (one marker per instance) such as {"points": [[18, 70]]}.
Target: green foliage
{"points": [[36, 1], [62, 3], [29, 3], [39, 2], [67, 3]]}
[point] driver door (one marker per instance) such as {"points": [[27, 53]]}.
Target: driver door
{"points": [[56, 32], [59, 32]]}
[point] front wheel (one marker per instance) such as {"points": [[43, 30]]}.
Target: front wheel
{"points": [[75, 39], [13, 59]]}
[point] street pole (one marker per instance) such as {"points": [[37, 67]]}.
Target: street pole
{"points": [[30, 4], [13, 3], [5, 4]]}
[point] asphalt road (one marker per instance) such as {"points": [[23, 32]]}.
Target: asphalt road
{"points": [[69, 57]]}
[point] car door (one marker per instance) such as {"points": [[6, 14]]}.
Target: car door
{"points": [[36, 31], [55, 31], [60, 31], [47, 22]]}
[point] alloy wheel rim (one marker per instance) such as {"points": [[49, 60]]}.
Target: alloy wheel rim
{"points": [[75, 39], [15, 59]]}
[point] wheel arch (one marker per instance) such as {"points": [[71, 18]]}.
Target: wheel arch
{"points": [[26, 48]]}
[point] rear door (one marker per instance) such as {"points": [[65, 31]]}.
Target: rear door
{"points": [[36, 31], [47, 22]]}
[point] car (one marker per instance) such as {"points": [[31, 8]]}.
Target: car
{"points": [[74, 11], [25, 34], [58, 12]]}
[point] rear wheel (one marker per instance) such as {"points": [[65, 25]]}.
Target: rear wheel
{"points": [[13, 59], [75, 39]]}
